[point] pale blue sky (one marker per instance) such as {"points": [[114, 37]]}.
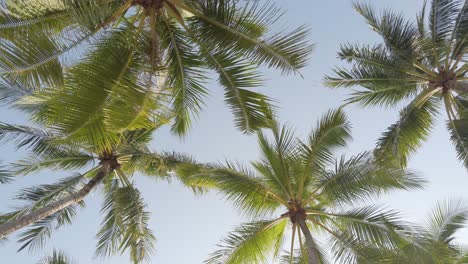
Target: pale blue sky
{"points": [[188, 227]]}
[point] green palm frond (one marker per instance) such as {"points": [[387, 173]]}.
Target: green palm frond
{"points": [[460, 33], [43, 194], [141, 159], [276, 160], [442, 18], [407, 134], [39, 141], [397, 33], [241, 31], [361, 177], [39, 196], [88, 84], [125, 226], [432, 242], [12, 90], [35, 237], [370, 223], [6, 176], [33, 60], [246, 191], [235, 74], [253, 242], [71, 161], [459, 137], [57, 257], [138, 237], [109, 234], [333, 131], [446, 219], [386, 80], [185, 77]]}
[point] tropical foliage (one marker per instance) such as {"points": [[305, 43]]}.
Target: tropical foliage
{"points": [[422, 61], [147, 47], [57, 257], [111, 165], [98, 77], [432, 242], [310, 192]]}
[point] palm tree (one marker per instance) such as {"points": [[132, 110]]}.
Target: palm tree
{"points": [[305, 186], [422, 61], [57, 257], [49, 206], [431, 243], [161, 43]]}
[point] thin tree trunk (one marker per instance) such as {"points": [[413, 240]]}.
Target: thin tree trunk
{"points": [[74, 198], [312, 257]]}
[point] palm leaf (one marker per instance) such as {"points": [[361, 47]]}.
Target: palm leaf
{"points": [[404, 137], [57, 257], [251, 243], [125, 226]]}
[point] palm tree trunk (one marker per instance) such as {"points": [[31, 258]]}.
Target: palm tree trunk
{"points": [[74, 198], [312, 257]]}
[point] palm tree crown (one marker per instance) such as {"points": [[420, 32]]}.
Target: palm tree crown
{"points": [[163, 44], [49, 206], [302, 183], [424, 61]]}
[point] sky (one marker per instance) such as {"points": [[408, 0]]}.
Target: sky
{"points": [[188, 226]]}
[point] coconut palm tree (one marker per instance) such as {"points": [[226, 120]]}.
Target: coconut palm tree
{"points": [[422, 61], [308, 190], [57, 257], [111, 165], [49, 206], [161, 43], [432, 242]]}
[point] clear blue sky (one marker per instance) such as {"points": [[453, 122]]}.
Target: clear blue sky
{"points": [[188, 227]]}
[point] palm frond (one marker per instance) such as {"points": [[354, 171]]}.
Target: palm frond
{"points": [[407, 134], [251, 243], [35, 237], [250, 108], [6, 176], [64, 162], [40, 196], [397, 33], [287, 52], [160, 164], [446, 219], [442, 18], [239, 186], [372, 224], [459, 137], [332, 131], [39, 141], [125, 226], [185, 77], [460, 33], [11, 90], [57, 257], [363, 176]]}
